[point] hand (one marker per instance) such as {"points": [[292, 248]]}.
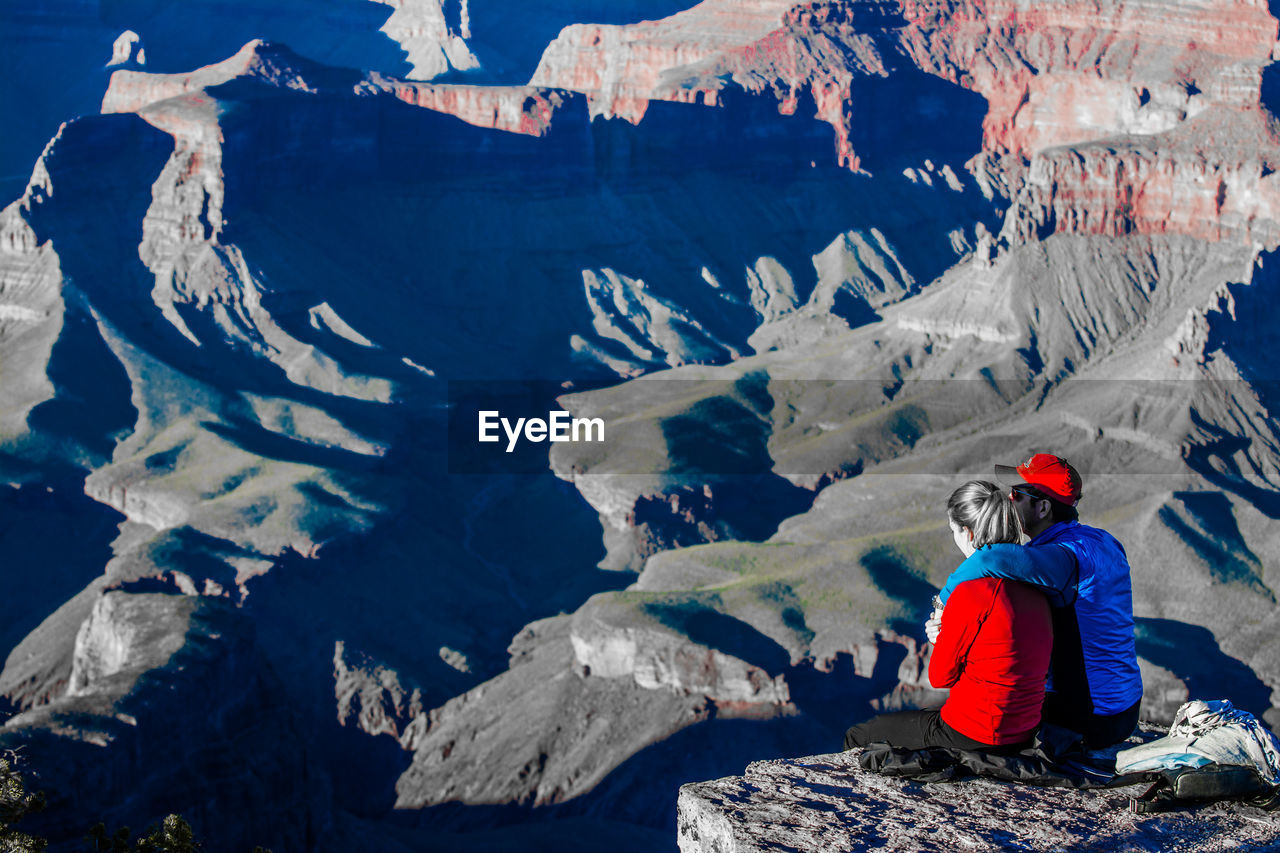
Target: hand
{"points": [[933, 626]]}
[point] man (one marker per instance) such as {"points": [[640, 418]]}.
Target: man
{"points": [[1094, 686]]}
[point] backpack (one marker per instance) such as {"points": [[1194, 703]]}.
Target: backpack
{"points": [[1212, 752], [1188, 786]]}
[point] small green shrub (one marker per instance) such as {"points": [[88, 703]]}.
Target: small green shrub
{"points": [[15, 804], [172, 835]]}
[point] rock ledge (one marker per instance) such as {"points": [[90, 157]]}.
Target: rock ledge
{"points": [[829, 803]]}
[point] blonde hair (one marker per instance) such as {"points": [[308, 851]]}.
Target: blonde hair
{"points": [[984, 508]]}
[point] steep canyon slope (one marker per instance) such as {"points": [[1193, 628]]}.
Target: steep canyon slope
{"points": [[813, 264]]}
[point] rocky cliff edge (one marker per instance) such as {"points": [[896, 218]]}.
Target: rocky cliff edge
{"points": [[829, 803]]}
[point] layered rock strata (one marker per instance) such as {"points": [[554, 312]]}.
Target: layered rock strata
{"points": [[1214, 178], [31, 306], [1036, 68], [620, 66], [527, 110]]}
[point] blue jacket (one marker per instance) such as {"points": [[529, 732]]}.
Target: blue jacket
{"points": [[1083, 569]]}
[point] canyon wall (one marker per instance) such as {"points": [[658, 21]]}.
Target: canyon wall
{"points": [[813, 265]]}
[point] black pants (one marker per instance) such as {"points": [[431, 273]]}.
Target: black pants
{"points": [[1098, 730], [917, 730]]}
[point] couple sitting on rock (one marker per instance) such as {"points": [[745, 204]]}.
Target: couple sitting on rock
{"points": [[1059, 609]]}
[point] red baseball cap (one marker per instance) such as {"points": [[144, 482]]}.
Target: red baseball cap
{"points": [[1051, 474]]}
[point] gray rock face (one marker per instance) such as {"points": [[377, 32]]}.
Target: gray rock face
{"points": [[541, 733], [139, 661], [127, 633], [370, 695], [828, 803], [609, 642]]}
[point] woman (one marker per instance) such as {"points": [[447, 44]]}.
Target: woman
{"points": [[992, 649]]}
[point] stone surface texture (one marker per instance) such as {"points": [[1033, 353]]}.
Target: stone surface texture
{"points": [[829, 803]]}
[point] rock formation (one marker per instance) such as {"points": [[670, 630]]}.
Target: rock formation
{"points": [[140, 659], [813, 265], [124, 632], [541, 733], [527, 110], [434, 33], [1035, 68], [128, 50], [621, 66], [370, 696], [828, 802]]}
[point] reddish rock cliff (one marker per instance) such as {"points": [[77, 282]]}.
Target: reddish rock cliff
{"points": [[620, 67], [1066, 74], [518, 109], [1215, 179]]}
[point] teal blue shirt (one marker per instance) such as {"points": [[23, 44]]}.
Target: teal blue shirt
{"points": [[1050, 567]]}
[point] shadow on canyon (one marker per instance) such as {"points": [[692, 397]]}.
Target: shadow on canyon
{"points": [[838, 697], [894, 575], [55, 54], [711, 628], [464, 564], [482, 237], [54, 541], [1248, 333], [182, 37], [1270, 88], [1210, 529], [1192, 654], [642, 790], [510, 41], [91, 405], [463, 249]]}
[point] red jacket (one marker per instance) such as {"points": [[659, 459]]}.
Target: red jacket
{"points": [[993, 652]]}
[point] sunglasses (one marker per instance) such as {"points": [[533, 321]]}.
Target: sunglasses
{"points": [[1026, 492]]}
